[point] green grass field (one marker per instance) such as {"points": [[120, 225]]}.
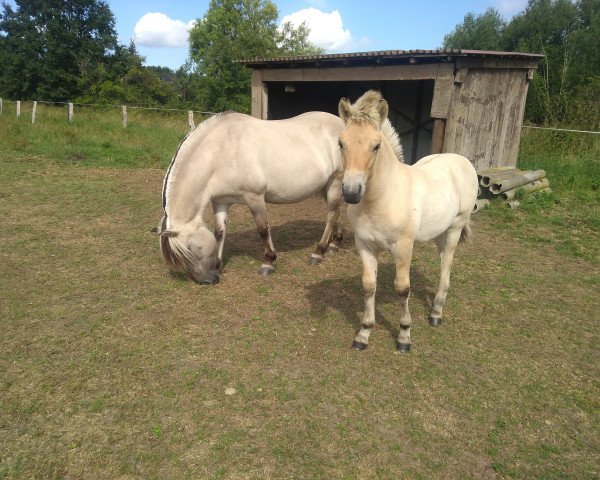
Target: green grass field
{"points": [[113, 367]]}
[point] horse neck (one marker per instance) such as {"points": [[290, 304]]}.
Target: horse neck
{"points": [[188, 198]]}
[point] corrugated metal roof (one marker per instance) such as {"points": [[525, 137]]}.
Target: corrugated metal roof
{"points": [[387, 55]]}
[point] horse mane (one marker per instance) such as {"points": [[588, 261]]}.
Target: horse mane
{"points": [[390, 133], [367, 109], [175, 253], [183, 148]]}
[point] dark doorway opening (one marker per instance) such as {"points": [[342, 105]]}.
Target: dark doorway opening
{"points": [[409, 106]]}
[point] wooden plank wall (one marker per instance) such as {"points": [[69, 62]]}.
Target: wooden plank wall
{"points": [[485, 115]]}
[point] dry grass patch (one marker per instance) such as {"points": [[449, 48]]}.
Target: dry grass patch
{"points": [[111, 366]]}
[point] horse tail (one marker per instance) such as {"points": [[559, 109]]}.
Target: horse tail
{"points": [[466, 232]]}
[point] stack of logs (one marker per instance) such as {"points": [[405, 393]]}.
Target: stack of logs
{"points": [[505, 182]]}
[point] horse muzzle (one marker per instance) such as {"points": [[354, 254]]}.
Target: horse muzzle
{"points": [[213, 279], [353, 188]]}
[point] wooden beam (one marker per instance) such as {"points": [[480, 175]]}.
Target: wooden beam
{"points": [[356, 74], [437, 138], [511, 63], [418, 108], [260, 97], [442, 95]]}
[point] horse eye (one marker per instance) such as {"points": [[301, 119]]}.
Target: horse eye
{"points": [[377, 147], [340, 144]]}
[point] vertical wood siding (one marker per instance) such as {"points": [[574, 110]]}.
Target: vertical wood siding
{"points": [[486, 111]]}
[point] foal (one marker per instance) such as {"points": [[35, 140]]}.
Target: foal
{"points": [[392, 205]]}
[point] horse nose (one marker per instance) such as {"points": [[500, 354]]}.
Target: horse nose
{"points": [[212, 280], [352, 193]]}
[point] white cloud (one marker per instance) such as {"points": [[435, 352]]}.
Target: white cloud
{"points": [[326, 29], [155, 29], [510, 7]]}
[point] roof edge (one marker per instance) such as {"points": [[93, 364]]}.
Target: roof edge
{"points": [[390, 55]]}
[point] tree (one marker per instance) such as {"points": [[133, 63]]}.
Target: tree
{"points": [[481, 32], [126, 80], [566, 32], [47, 45], [233, 30], [546, 26]]}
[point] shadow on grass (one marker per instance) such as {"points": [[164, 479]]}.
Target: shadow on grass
{"points": [[288, 237], [346, 296]]}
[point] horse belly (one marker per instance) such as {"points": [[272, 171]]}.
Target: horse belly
{"points": [[439, 212], [294, 185], [433, 228]]}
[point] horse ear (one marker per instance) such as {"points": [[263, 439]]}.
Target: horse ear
{"points": [[383, 110], [344, 109], [169, 233]]}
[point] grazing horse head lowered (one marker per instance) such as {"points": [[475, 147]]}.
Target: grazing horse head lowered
{"points": [[392, 205], [234, 158], [192, 250]]}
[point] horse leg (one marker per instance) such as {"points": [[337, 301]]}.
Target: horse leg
{"points": [[221, 212], [402, 252], [369, 283], [259, 212], [333, 196], [446, 244], [338, 236]]}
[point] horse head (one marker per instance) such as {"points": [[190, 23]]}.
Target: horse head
{"points": [[192, 250], [360, 141]]}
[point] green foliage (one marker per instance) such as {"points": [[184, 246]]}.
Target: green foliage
{"points": [[565, 89], [233, 30], [46, 45], [482, 32], [67, 50]]}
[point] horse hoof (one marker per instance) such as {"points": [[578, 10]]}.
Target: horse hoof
{"points": [[315, 260], [434, 322], [266, 270], [403, 347], [359, 345], [333, 248]]}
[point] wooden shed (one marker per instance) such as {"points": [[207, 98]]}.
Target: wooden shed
{"points": [[464, 101]]}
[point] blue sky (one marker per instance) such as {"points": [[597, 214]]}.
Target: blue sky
{"points": [[159, 27]]}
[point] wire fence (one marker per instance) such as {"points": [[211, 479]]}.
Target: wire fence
{"points": [[70, 112], [560, 129], [31, 108]]}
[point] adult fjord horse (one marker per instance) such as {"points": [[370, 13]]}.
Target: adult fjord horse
{"points": [[234, 158], [392, 205]]}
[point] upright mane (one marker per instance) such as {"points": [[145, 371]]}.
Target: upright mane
{"points": [[390, 133], [184, 147], [367, 109]]}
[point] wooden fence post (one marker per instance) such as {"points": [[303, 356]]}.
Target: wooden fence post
{"points": [[70, 112], [0, 106], [191, 119], [124, 114], [33, 109], [18, 108]]}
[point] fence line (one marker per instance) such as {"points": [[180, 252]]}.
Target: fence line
{"points": [[71, 105], [561, 129]]}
